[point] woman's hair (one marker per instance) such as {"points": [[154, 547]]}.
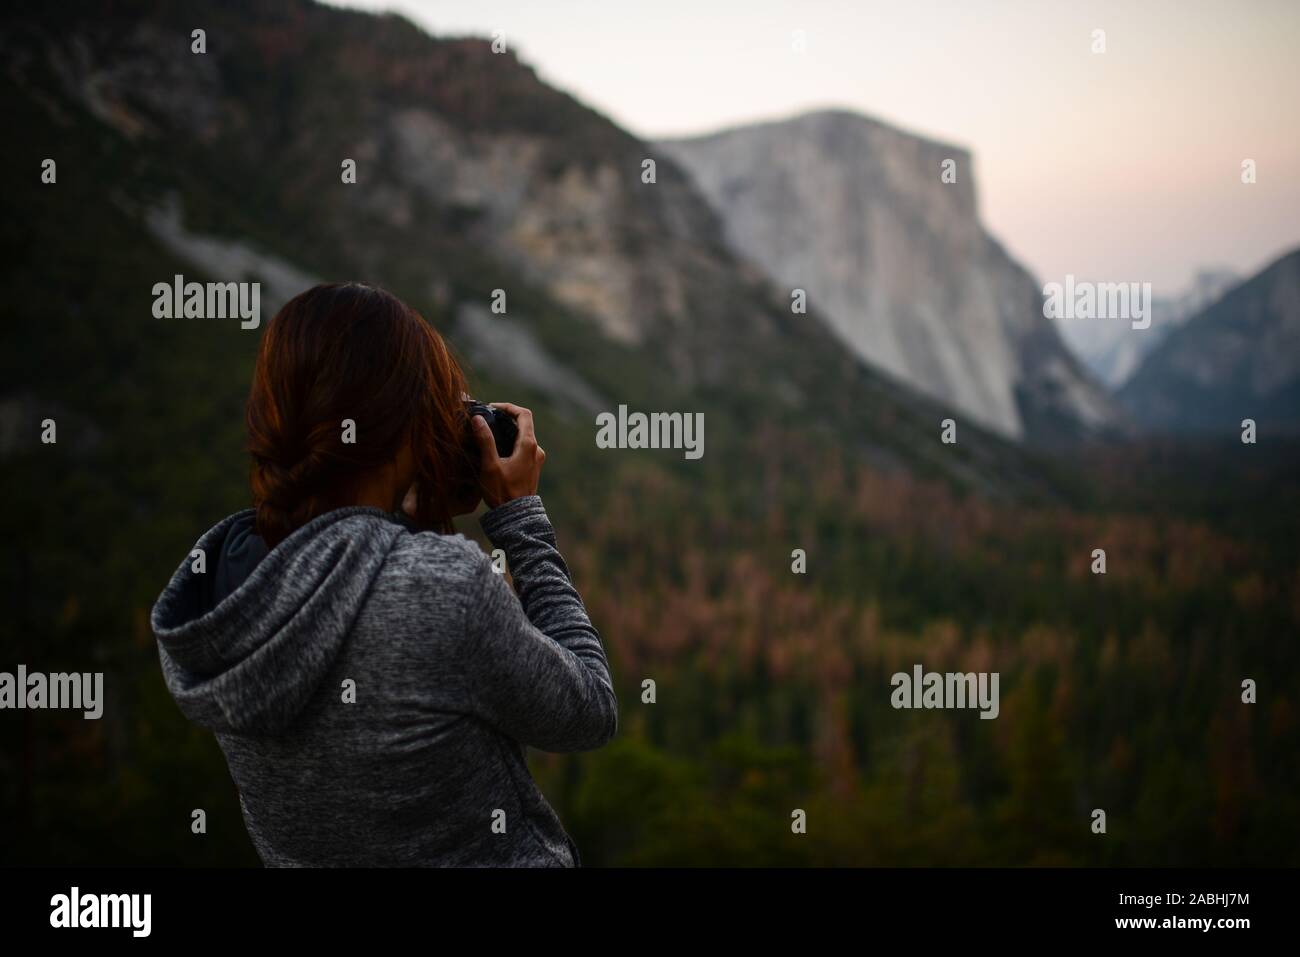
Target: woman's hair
{"points": [[351, 351]]}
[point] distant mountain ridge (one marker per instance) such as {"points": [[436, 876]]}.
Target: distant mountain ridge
{"points": [[1114, 350], [855, 212], [1237, 359]]}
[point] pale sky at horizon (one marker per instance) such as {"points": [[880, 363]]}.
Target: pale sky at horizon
{"points": [[1118, 166]]}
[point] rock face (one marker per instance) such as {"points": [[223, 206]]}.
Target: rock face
{"points": [[1237, 359], [473, 177], [1112, 351], [855, 213]]}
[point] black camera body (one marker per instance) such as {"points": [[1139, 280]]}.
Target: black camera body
{"points": [[503, 427]]}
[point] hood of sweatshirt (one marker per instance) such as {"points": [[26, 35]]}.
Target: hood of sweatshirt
{"points": [[246, 635]]}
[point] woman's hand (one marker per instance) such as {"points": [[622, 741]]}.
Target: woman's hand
{"points": [[504, 479]]}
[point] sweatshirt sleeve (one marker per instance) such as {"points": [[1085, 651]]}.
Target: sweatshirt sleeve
{"points": [[535, 665]]}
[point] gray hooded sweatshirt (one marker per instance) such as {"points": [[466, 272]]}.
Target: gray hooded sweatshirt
{"points": [[373, 688]]}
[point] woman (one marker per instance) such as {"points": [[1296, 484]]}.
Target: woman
{"points": [[373, 685]]}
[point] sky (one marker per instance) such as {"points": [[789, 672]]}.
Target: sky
{"points": [[1123, 165]]}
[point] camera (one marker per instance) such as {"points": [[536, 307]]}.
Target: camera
{"points": [[503, 427]]}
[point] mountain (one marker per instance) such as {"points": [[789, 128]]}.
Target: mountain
{"points": [[854, 212], [1237, 359], [1113, 350], [472, 176]]}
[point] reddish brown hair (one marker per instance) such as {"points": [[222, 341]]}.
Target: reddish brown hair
{"points": [[351, 351]]}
